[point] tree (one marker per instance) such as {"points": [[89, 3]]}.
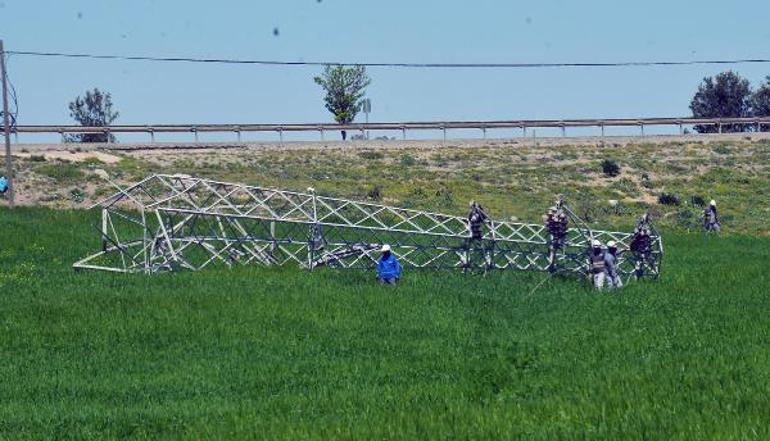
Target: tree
{"points": [[93, 110], [760, 101], [728, 95], [344, 88]]}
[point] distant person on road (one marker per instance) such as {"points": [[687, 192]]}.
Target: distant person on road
{"points": [[3, 185], [611, 265], [597, 265], [711, 218], [388, 268]]}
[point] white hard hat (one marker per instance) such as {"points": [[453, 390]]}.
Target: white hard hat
{"points": [[596, 243], [713, 202], [311, 190], [612, 244], [385, 248]]}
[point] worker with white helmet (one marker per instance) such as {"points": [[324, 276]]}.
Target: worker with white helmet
{"points": [[611, 265], [555, 221], [388, 268], [596, 264], [711, 218]]}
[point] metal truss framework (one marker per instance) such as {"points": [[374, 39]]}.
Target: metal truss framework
{"points": [[171, 222]]}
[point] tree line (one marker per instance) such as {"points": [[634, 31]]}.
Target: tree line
{"points": [[729, 95], [726, 95]]}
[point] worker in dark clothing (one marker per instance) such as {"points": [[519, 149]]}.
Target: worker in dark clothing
{"points": [[477, 217], [556, 222], [596, 264], [641, 244], [711, 218]]}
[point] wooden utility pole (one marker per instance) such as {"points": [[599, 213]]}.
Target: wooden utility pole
{"points": [[6, 128]]}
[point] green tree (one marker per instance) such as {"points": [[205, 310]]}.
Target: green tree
{"points": [[728, 95], [93, 110], [760, 101], [344, 88]]}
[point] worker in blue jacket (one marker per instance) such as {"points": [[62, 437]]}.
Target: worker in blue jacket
{"points": [[388, 268], [3, 184]]}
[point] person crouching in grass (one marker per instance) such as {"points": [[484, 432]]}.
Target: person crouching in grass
{"points": [[388, 268]]}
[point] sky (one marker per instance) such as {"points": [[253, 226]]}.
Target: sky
{"points": [[443, 31]]}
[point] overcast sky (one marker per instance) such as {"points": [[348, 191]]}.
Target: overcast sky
{"points": [[384, 31]]}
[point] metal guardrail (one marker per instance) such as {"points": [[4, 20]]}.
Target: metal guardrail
{"points": [[523, 125]]}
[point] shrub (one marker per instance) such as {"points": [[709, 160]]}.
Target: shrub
{"points": [[370, 155], [668, 199], [375, 193], [625, 185], [646, 181], [610, 168], [697, 201], [63, 172], [722, 149], [407, 160], [77, 195]]}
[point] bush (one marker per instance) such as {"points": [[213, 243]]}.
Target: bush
{"points": [[697, 201], [64, 172], [407, 160], [722, 149], [375, 193], [610, 168], [668, 199], [646, 181], [77, 195], [625, 185], [370, 155]]}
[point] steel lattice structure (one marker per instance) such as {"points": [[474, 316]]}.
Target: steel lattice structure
{"points": [[171, 222]]}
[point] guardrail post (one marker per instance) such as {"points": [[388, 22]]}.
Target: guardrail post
{"points": [[641, 127], [602, 126], [195, 131], [238, 134], [759, 127], [681, 129], [322, 133], [280, 136], [563, 131], [524, 131], [484, 131], [63, 138], [443, 129], [720, 127], [152, 135], [403, 133]]}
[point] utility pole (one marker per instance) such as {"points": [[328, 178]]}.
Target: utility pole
{"points": [[6, 128]]}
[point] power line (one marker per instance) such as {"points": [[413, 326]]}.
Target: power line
{"points": [[397, 65]]}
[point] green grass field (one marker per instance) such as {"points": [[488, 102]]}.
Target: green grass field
{"points": [[285, 354]]}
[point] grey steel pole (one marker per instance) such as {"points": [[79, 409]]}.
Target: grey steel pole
{"points": [[6, 128]]}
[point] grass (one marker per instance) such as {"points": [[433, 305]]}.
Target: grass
{"points": [[285, 354], [509, 180]]}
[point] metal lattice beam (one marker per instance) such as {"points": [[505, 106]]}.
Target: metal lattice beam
{"points": [[171, 222]]}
